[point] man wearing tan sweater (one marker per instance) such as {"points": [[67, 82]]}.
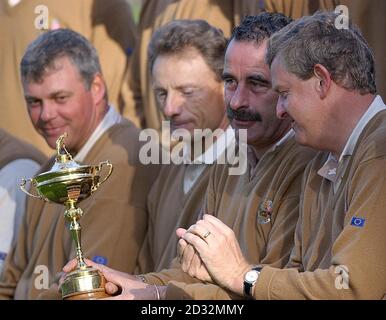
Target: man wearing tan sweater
{"points": [[65, 92], [186, 59], [108, 25], [327, 89], [260, 205]]}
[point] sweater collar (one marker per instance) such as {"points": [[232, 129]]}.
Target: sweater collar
{"points": [[111, 118], [332, 165]]}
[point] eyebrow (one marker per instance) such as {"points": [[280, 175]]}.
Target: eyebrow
{"points": [[187, 85], [183, 86], [31, 98], [52, 95], [260, 79], [257, 77], [56, 93], [226, 75]]}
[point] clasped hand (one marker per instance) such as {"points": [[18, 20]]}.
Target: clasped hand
{"points": [[210, 252]]}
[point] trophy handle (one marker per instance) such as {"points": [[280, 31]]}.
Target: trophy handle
{"points": [[22, 187], [100, 166]]}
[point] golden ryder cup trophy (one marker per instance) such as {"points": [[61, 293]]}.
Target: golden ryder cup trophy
{"points": [[68, 183]]}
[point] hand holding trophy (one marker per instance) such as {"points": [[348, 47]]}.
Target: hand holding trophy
{"points": [[68, 183]]}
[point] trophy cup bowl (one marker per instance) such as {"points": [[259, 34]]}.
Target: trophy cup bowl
{"points": [[68, 183]]}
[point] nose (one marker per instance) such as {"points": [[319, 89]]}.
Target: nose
{"points": [[172, 105], [238, 98], [281, 111], [47, 112]]}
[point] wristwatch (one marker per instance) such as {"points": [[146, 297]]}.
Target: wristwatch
{"points": [[250, 279]]}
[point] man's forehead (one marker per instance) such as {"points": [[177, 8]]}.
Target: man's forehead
{"points": [[184, 55], [279, 74], [246, 53], [257, 48], [182, 72], [55, 79], [57, 65]]}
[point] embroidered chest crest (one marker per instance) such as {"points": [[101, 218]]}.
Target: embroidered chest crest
{"points": [[264, 212]]}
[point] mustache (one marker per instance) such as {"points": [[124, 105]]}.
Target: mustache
{"points": [[243, 115]]}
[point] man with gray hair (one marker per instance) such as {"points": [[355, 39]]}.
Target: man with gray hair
{"points": [[108, 25], [186, 59], [326, 84], [65, 92]]}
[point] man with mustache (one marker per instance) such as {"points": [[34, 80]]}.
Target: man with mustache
{"points": [[261, 205], [242, 115], [65, 92]]}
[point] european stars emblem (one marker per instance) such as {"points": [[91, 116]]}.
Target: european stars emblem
{"points": [[100, 260], [358, 222]]}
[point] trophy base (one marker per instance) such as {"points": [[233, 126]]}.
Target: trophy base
{"points": [[87, 296], [84, 284]]}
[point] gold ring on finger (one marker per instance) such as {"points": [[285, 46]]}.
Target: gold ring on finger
{"points": [[206, 235]]}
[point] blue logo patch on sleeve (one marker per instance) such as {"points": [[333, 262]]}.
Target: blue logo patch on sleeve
{"points": [[129, 51], [100, 260], [3, 255], [358, 222]]}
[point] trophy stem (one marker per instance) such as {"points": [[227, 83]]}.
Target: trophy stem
{"points": [[72, 214]]}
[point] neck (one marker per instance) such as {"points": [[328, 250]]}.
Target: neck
{"points": [[208, 140], [224, 123], [259, 152], [260, 149], [98, 119], [348, 111]]}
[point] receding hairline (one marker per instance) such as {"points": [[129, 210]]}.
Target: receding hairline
{"points": [[55, 65]]}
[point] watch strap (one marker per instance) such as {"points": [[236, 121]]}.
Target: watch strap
{"points": [[248, 286]]}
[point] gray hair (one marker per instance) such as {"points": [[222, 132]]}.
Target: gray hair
{"points": [[179, 35], [41, 54], [315, 40]]}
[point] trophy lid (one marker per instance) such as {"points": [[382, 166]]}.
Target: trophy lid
{"points": [[64, 168], [67, 180]]}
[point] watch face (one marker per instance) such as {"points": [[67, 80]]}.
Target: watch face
{"points": [[251, 276]]}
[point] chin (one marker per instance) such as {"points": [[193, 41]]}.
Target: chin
{"points": [[51, 142], [301, 139], [183, 133], [51, 138]]}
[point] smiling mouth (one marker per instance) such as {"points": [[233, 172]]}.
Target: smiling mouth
{"points": [[180, 124], [53, 131]]}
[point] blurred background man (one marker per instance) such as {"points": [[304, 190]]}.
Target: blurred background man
{"points": [[17, 160]]}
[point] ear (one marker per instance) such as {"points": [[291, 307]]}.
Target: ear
{"points": [[98, 88], [323, 80]]}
